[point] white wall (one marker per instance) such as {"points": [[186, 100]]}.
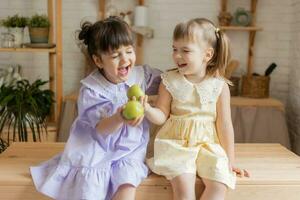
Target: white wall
{"points": [[294, 86], [273, 44]]}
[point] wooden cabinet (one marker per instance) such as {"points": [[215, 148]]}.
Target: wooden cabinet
{"points": [[252, 29], [54, 9]]}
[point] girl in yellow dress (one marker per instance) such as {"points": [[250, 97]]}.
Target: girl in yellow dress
{"points": [[194, 103]]}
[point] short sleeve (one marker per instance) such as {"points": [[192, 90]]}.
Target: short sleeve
{"points": [[152, 79], [92, 107]]}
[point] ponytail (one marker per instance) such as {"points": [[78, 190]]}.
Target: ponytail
{"points": [[220, 59]]}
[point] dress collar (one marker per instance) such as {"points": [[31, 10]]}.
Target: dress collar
{"points": [[182, 89], [97, 81]]}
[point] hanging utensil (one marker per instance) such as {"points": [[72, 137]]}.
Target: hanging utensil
{"points": [[270, 69]]}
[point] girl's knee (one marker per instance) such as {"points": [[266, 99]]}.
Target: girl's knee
{"points": [[125, 191], [215, 186], [186, 195], [184, 187]]}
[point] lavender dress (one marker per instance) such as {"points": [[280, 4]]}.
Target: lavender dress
{"points": [[92, 165]]}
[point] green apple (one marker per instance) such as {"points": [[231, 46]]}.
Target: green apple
{"points": [[132, 110], [135, 91]]}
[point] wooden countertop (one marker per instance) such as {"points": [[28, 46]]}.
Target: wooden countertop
{"points": [[267, 163]]}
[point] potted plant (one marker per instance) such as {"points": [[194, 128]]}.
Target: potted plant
{"points": [[39, 28], [24, 108], [15, 25]]}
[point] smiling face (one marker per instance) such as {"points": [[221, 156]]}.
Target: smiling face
{"points": [[191, 58], [117, 64]]}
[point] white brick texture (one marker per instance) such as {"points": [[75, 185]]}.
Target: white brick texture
{"points": [[293, 106], [273, 44]]}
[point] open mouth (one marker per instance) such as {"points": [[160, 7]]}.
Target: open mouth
{"points": [[123, 71], [182, 65]]}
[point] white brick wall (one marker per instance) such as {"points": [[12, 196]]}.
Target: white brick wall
{"points": [[273, 44], [293, 107]]}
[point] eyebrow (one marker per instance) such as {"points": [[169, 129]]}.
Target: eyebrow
{"points": [[129, 48], [184, 47]]}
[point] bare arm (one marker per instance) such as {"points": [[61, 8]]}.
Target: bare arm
{"points": [[224, 124], [225, 130], [110, 124], [115, 122], [159, 114]]}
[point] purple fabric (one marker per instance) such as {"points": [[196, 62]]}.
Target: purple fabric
{"points": [[93, 166]]}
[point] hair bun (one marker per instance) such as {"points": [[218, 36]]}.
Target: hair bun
{"points": [[85, 31]]}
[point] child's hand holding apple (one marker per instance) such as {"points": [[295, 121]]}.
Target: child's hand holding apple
{"points": [[133, 110]]}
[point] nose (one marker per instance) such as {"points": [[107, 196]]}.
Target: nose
{"points": [[124, 58], [176, 55]]}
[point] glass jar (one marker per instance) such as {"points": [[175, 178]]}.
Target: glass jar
{"points": [[7, 40]]}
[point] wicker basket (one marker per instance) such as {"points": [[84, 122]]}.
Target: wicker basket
{"points": [[234, 89], [255, 86]]}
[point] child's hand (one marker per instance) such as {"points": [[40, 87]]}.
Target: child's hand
{"points": [[144, 101], [134, 122], [240, 172]]}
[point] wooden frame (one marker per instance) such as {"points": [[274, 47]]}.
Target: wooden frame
{"points": [[252, 32], [55, 54]]}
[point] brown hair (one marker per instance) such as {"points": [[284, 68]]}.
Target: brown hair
{"points": [[199, 29], [103, 36]]}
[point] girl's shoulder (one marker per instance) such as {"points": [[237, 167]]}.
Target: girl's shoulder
{"points": [[181, 89], [210, 89], [171, 75], [96, 82], [175, 84]]}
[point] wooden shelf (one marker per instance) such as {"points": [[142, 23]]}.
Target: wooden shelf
{"points": [[251, 29], [241, 28], [54, 11], [33, 50]]}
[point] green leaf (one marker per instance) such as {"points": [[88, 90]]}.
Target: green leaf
{"points": [[39, 21], [23, 107]]}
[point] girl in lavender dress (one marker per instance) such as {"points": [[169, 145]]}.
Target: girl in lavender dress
{"points": [[104, 156]]}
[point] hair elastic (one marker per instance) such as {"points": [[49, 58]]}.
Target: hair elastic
{"points": [[217, 31]]}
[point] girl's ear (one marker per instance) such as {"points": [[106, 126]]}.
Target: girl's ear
{"points": [[209, 54], [97, 60]]}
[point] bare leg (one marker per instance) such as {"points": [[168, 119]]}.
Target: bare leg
{"points": [[125, 192], [213, 190], [184, 187]]}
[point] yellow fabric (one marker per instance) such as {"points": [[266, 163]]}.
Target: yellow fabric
{"points": [[188, 141]]}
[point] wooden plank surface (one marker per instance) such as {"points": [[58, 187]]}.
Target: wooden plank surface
{"points": [[267, 163], [275, 173], [265, 102]]}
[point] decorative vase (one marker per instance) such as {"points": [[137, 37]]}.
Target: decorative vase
{"points": [[18, 33]]}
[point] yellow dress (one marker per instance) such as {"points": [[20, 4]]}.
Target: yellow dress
{"points": [[188, 141]]}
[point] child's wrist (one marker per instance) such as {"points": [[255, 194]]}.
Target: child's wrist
{"points": [[118, 117], [147, 107]]}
